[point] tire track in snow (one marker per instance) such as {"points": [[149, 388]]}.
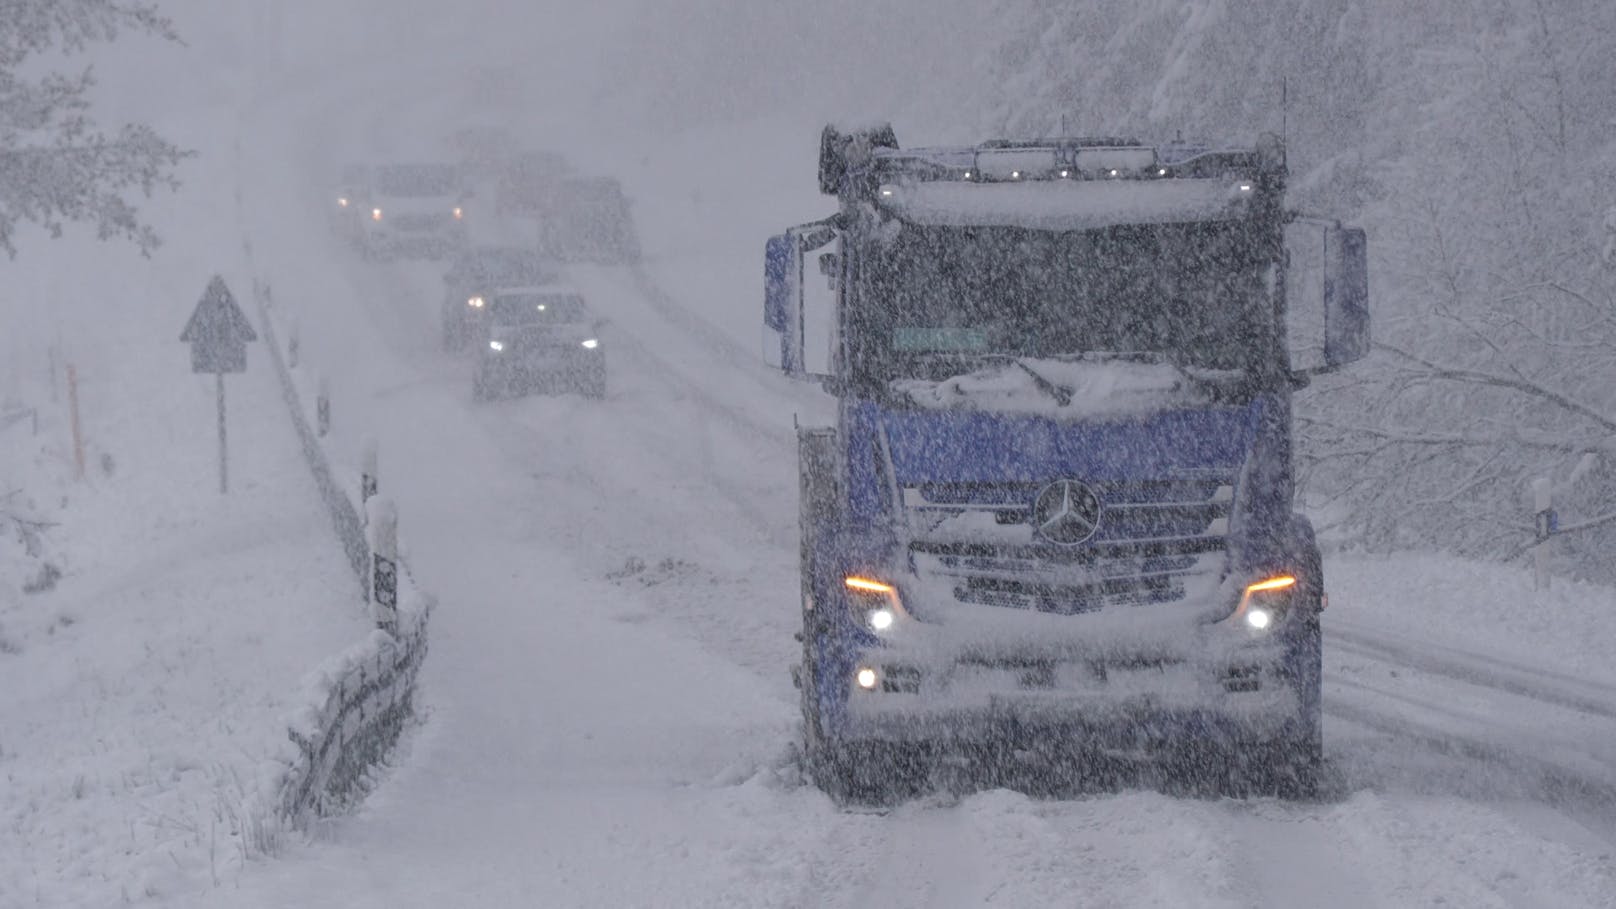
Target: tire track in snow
{"points": [[1566, 789], [1550, 687], [693, 325]]}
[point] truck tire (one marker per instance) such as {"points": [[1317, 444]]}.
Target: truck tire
{"points": [[817, 504], [871, 774], [851, 773]]}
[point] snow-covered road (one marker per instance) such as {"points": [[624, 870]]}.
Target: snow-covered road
{"points": [[607, 719]]}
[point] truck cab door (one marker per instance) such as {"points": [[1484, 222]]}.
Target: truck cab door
{"points": [[803, 272]]}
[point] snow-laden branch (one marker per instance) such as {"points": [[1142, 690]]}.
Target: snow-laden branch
{"points": [[1524, 386], [56, 166], [1404, 436]]}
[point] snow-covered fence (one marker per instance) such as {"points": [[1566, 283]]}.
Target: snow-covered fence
{"points": [[357, 703], [344, 515]]}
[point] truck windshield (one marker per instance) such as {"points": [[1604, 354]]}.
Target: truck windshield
{"points": [[416, 180], [937, 298]]}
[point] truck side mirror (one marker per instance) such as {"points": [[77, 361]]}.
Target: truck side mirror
{"points": [[782, 344], [1327, 296], [799, 318], [1346, 296]]}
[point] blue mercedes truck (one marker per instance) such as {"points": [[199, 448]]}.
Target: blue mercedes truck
{"points": [[1053, 523]]}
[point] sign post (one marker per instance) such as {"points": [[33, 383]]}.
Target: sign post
{"points": [[218, 332], [1545, 524]]}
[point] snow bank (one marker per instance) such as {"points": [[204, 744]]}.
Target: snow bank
{"points": [[1487, 609], [144, 691]]}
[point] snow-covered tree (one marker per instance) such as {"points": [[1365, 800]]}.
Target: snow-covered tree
{"points": [[57, 166], [1476, 141]]}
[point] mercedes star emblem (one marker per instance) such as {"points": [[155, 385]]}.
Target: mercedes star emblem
{"points": [[1066, 512]]}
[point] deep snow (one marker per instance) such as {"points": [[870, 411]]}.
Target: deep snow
{"points": [[606, 714]]}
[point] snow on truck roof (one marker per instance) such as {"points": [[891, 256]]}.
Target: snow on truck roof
{"points": [[1066, 184], [1074, 205]]}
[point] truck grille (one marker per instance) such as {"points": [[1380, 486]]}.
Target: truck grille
{"points": [[1153, 538]]}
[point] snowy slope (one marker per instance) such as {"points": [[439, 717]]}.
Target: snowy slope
{"points": [[144, 693]]}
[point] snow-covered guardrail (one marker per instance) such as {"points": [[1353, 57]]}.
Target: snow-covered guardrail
{"points": [[358, 701]]}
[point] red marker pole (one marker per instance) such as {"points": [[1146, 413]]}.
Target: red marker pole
{"points": [[224, 460], [73, 410]]}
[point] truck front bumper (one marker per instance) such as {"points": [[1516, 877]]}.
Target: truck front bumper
{"points": [[1144, 707], [1132, 677]]}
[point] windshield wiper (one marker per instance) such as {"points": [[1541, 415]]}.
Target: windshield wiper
{"points": [[1061, 394]]}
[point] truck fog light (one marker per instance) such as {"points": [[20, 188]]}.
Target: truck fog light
{"points": [[1264, 603], [874, 603], [867, 678]]}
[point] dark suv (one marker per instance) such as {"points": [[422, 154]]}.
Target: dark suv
{"points": [[473, 277], [539, 337]]}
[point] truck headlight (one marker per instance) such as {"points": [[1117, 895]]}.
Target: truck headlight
{"points": [[496, 346], [475, 302], [591, 344], [875, 603], [1264, 603]]}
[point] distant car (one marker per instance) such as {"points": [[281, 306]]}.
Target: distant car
{"points": [[347, 199], [415, 210], [473, 277], [540, 338]]}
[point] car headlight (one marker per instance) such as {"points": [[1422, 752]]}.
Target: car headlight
{"points": [[375, 214], [876, 605], [1264, 604], [458, 213], [591, 344], [342, 203], [475, 302], [496, 346]]}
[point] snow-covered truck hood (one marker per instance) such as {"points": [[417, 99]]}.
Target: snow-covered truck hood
{"points": [[1040, 420], [1066, 389], [1068, 205]]}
